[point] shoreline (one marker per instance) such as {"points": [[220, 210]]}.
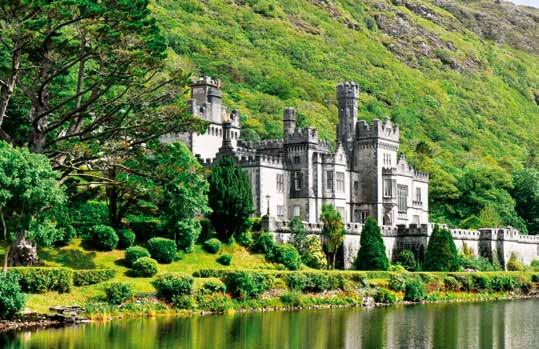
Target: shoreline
{"points": [[36, 322]]}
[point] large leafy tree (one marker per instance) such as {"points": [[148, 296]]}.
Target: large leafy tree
{"points": [[526, 195], [441, 253], [333, 231], [372, 251], [87, 78], [29, 192], [230, 198]]}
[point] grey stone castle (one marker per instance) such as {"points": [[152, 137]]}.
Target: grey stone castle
{"points": [[365, 175]]}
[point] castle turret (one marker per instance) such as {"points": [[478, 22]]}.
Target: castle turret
{"points": [[206, 99], [289, 121], [347, 98]]}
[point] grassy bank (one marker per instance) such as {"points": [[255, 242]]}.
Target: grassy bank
{"points": [[249, 283]]}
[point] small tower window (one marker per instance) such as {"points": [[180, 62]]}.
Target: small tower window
{"points": [[297, 180]]}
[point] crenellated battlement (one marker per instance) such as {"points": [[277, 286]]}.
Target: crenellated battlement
{"points": [[268, 144], [348, 89], [303, 135], [378, 129], [258, 159]]}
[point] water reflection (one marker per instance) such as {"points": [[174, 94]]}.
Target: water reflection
{"points": [[511, 324]]}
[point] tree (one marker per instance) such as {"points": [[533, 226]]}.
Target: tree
{"points": [[229, 197], [333, 231], [372, 251], [28, 193], [441, 253], [89, 78], [526, 194], [298, 232]]}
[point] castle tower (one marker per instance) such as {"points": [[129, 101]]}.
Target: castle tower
{"points": [[347, 99], [206, 99], [289, 121]]}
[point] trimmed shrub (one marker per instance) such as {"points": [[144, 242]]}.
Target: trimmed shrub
{"points": [[43, 279], [213, 286], [312, 255], [214, 302], [397, 282], [384, 296], [293, 299], [296, 281], [535, 265], [414, 290], [11, 298], [224, 259], [212, 245], [133, 253], [286, 255], [503, 283], [514, 264], [126, 238], [482, 282], [248, 285], [451, 284], [91, 277], [118, 292], [103, 237], [145, 267], [441, 252], [183, 302], [162, 250], [264, 243], [372, 252], [172, 285], [144, 227], [465, 280], [406, 258], [245, 238]]}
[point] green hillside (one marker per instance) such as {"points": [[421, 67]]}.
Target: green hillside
{"points": [[465, 99]]}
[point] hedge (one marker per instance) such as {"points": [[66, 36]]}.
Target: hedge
{"points": [[43, 279], [91, 277]]}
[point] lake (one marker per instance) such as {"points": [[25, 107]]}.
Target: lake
{"points": [[503, 324]]}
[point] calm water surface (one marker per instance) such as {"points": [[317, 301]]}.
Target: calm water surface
{"points": [[505, 324]]}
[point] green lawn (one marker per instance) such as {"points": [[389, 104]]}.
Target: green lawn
{"points": [[77, 257]]}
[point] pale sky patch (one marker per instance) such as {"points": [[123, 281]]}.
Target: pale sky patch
{"points": [[533, 3]]}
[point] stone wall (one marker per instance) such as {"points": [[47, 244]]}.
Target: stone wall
{"points": [[484, 242]]}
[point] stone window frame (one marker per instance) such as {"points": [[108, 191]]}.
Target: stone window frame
{"points": [[280, 211], [402, 198], [297, 180], [340, 182], [416, 219], [280, 182], [363, 215], [329, 180], [296, 211]]}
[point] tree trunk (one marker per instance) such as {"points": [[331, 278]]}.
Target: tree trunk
{"points": [[112, 194], [4, 228], [9, 86]]}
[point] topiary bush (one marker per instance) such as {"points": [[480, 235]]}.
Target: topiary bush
{"points": [[213, 286], [103, 237], [162, 250], [312, 255], [224, 259], [91, 277], [133, 253], [287, 255], [212, 245], [414, 291], [245, 238], [172, 285], [514, 264], [11, 297], [43, 279], [118, 292], [264, 243], [406, 258], [384, 296], [441, 253], [126, 238], [145, 267], [248, 285]]}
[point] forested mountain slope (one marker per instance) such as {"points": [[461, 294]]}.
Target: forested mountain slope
{"points": [[460, 77]]}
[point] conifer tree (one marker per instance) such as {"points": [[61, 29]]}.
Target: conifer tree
{"points": [[372, 251], [441, 252], [230, 198]]}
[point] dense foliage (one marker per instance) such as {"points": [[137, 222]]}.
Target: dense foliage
{"points": [[144, 267], [441, 252], [118, 292], [103, 238], [229, 197], [93, 276], [287, 255], [372, 251], [133, 253], [406, 258], [171, 285], [162, 250], [224, 259], [43, 279], [333, 231], [212, 245], [414, 291], [11, 298], [126, 238], [247, 285]]}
